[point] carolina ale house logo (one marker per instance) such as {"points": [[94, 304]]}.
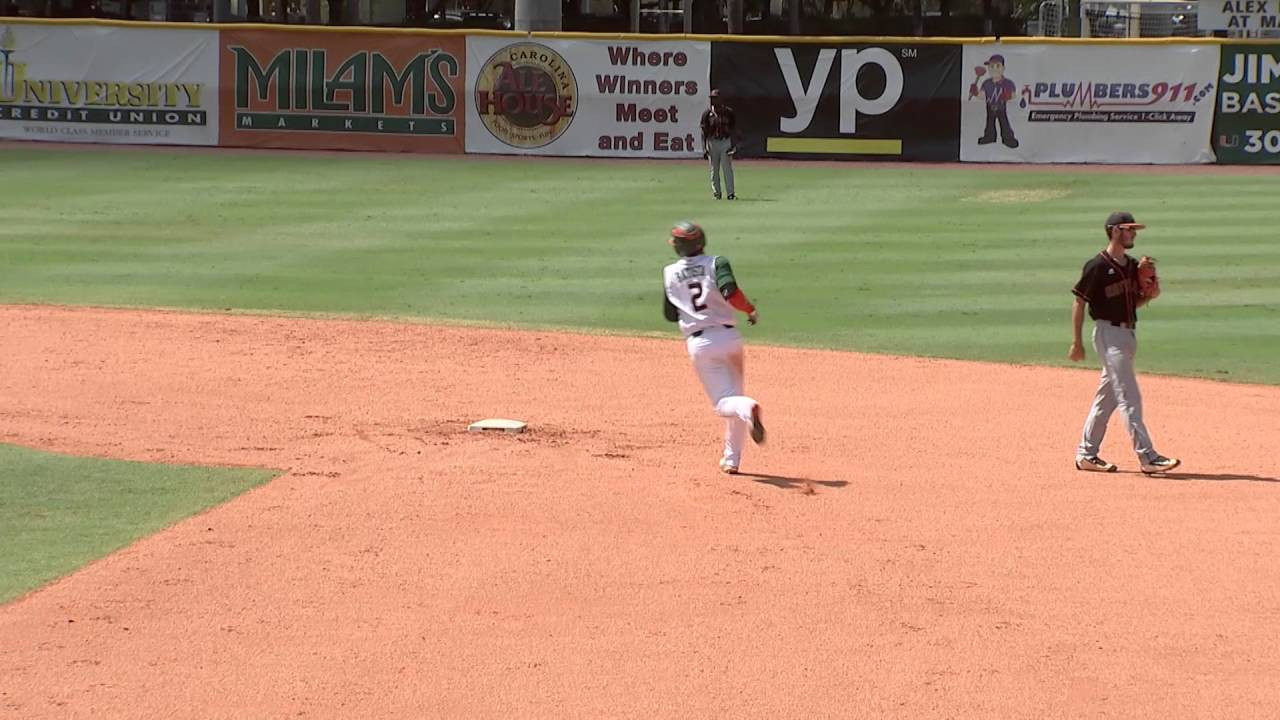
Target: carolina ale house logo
{"points": [[526, 95], [358, 92], [27, 96]]}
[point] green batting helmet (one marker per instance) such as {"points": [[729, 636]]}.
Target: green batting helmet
{"points": [[687, 238]]}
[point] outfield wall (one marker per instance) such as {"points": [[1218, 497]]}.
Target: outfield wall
{"points": [[1019, 100]]}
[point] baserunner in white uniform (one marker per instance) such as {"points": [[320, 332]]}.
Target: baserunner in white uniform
{"points": [[702, 294]]}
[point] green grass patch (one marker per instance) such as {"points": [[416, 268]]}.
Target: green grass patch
{"points": [[58, 513], [952, 262]]}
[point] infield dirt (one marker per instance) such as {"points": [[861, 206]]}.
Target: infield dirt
{"points": [[951, 562]]}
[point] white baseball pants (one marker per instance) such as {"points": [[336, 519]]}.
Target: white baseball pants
{"points": [[718, 359]]}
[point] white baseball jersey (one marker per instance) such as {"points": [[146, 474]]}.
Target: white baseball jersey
{"points": [[692, 288]]}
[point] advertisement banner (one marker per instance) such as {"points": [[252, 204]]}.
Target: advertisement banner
{"points": [[1247, 125], [882, 101], [343, 91], [1251, 15], [70, 83], [586, 97], [1088, 104]]}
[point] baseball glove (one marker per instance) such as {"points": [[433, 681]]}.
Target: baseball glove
{"points": [[1148, 280]]}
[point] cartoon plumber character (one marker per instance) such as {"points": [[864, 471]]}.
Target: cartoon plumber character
{"points": [[998, 91]]}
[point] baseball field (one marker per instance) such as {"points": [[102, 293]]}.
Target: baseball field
{"points": [[236, 478]]}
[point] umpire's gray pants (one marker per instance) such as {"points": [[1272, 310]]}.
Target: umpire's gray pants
{"points": [[1116, 347], [718, 149]]}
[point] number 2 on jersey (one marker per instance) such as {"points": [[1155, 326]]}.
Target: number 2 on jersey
{"points": [[695, 290]]}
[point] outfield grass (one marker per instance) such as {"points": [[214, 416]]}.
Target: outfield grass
{"points": [[942, 262], [58, 513]]}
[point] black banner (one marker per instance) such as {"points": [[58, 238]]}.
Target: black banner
{"points": [[856, 101], [1246, 128]]}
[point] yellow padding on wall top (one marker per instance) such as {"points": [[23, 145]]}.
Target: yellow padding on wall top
{"points": [[630, 37]]}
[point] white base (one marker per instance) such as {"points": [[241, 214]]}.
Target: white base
{"points": [[511, 426]]}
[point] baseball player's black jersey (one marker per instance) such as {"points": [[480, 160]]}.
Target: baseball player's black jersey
{"points": [[718, 123], [1110, 288]]}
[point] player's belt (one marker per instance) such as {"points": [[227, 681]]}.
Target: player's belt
{"points": [[698, 333], [1129, 325]]}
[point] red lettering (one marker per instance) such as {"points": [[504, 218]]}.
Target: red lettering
{"points": [[522, 79], [629, 112], [662, 142], [507, 80], [512, 103], [550, 108], [634, 56]]}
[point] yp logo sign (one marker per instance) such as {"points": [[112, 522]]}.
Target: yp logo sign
{"points": [[855, 99], [851, 99]]}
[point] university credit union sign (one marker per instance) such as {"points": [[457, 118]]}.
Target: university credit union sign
{"points": [[106, 85]]}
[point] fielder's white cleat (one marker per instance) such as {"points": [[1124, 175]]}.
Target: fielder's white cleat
{"points": [[1160, 464], [727, 468], [1094, 464]]}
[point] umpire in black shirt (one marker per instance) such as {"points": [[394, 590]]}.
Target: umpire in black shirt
{"points": [[719, 144], [1109, 286]]}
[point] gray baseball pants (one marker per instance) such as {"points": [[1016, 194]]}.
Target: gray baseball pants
{"points": [[718, 149], [1116, 348]]}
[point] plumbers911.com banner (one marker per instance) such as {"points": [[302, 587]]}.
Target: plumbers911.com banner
{"points": [[1088, 104], [71, 83], [586, 97]]}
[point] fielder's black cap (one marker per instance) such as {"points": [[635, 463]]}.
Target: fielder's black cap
{"points": [[1123, 219]]}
